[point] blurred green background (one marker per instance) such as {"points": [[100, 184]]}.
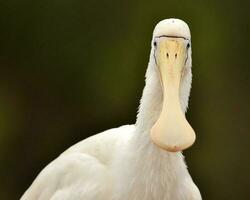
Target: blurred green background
{"points": [[72, 68]]}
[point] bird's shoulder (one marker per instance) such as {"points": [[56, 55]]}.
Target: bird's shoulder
{"points": [[102, 146], [64, 177], [89, 158]]}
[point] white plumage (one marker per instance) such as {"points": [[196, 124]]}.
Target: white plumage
{"points": [[123, 163]]}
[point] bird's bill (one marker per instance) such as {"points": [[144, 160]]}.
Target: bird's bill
{"points": [[171, 131]]}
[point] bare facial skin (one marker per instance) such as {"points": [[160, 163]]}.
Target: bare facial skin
{"points": [[171, 131]]}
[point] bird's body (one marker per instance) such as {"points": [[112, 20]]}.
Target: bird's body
{"points": [[91, 170], [122, 163]]}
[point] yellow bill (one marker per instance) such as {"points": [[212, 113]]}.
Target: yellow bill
{"points": [[171, 131]]}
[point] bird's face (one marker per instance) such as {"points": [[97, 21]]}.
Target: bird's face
{"points": [[172, 56]]}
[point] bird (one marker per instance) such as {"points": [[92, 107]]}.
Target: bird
{"points": [[141, 161]]}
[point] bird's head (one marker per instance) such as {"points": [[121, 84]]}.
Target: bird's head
{"points": [[171, 49]]}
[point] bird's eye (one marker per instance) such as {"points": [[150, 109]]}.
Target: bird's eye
{"points": [[155, 44], [188, 45]]}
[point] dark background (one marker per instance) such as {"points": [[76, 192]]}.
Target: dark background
{"points": [[72, 68]]}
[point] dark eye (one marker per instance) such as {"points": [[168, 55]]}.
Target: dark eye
{"points": [[155, 44], [188, 45]]}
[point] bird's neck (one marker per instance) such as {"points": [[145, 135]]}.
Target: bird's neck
{"points": [[152, 171], [151, 102], [152, 99], [150, 110]]}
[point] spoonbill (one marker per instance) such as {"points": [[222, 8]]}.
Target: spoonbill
{"points": [[141, 161]]}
